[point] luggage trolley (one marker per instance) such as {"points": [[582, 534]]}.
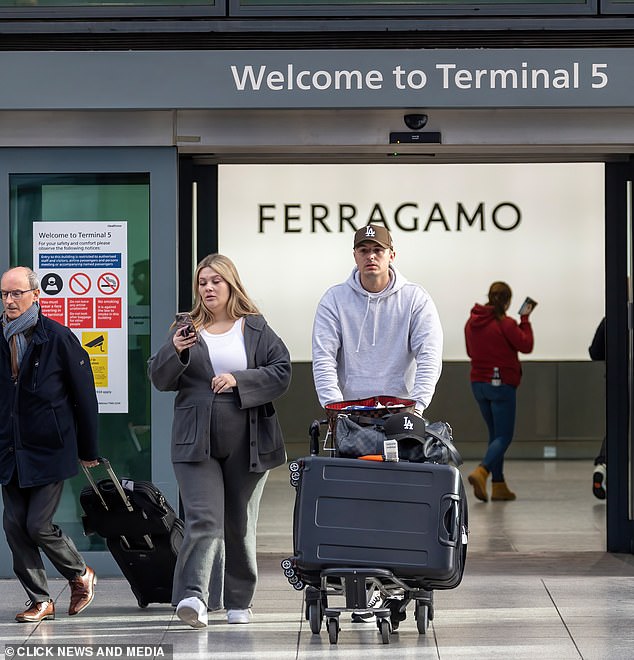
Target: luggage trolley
{"points": [[360, 526]]}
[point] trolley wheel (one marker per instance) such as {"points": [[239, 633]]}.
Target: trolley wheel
{"points": [[422, 617], [315, 617], [396, 615], [333, 630], [384, 629]]}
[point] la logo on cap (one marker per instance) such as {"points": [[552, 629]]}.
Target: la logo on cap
{"points": [[407, 424], [369, 231]]}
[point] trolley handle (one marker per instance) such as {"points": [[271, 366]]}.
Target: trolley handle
{"points": [[115, 481], [313, 432]]}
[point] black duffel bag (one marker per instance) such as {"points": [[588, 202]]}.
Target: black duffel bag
{"points": [[418, 440]]}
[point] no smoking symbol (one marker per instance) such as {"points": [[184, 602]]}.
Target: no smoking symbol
{"points": [[108, 283]]}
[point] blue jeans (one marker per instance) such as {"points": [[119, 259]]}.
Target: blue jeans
{"points": [[497, 405]]}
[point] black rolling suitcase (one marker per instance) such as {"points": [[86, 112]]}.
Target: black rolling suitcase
{"points": [[408, 518], [141, 529], [397, 527]]}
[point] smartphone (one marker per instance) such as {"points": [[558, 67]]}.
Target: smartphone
{"points": [[184, 320], [527, 306]]}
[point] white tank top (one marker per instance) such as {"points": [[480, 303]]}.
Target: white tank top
{"points": [[226, 351]]}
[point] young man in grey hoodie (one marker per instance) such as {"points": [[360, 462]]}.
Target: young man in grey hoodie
{"points": [[376, 333]]}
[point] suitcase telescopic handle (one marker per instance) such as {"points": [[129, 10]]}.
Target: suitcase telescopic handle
{"points": [[115, 480]]}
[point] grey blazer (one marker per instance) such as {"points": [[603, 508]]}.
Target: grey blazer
{"points": [[267, 377]]}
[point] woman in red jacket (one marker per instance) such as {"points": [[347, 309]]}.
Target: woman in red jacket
{"points": [[493, 340]]}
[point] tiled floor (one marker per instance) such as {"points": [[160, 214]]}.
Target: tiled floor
{"points": [[538, 585]]}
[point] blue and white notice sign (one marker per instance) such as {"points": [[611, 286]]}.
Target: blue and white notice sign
{"points": [[82, 268]]}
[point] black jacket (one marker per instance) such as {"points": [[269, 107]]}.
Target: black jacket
{"points": [[597, 347], [49, 417]]}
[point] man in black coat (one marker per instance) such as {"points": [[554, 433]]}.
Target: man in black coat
{"points": [[599, 473], [48, 420]]}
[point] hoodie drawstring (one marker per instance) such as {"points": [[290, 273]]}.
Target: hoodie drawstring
{"points": [[376, 320], [365, 316]]}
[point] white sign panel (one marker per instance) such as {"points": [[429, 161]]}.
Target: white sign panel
{"points": [[456, 229], [82, 268]]}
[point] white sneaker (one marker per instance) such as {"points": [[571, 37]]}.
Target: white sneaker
{"points": [[239, 616], [599, 481], [375, 600], [193, 612]]}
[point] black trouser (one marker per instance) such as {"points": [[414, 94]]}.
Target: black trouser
{"points": [[601, 456], [28, 525]]}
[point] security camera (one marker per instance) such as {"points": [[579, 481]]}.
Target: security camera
{"points": [[415, 122]]}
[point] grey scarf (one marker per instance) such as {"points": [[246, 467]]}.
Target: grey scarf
{"points": [[15, 334]]}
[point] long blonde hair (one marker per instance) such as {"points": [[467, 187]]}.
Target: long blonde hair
{"points": [[239, 303]]}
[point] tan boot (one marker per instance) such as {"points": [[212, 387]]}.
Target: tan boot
{"points": [[500, 492], [478, 479]]}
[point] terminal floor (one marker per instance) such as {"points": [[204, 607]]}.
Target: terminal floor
{"points": [[538, 585]]}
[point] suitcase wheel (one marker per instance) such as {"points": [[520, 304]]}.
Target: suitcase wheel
{"points": [[142, 604]]}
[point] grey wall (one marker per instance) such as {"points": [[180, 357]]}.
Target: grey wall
{"points": [[560, 405]]}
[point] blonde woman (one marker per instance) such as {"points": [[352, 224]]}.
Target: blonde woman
{"points": [[225, 438]]}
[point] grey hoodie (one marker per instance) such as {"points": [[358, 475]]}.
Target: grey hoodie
{"points": [[367, 344]]}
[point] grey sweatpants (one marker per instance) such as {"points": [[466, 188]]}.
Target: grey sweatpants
{"points": [[221, 500]]}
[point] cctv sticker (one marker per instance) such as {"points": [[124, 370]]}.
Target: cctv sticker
{"points": [[95, 343]]}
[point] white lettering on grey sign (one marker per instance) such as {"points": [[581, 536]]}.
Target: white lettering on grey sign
{"points": [[447, 74]]}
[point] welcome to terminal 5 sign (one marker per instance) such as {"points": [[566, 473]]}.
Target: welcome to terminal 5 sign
{"points": [[503, 78]]}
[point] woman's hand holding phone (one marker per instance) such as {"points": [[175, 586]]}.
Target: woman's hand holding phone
{"points": [[527, 306], [185, 335]]}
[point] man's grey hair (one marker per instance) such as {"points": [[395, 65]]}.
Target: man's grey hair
{"points": [[34, 280]]}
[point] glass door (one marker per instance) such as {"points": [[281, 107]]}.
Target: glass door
{"points": [[80, 202], [60, 202]]}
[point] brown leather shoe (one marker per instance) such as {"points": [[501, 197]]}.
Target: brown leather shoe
{"points": [[82, 591], [37, 612]]}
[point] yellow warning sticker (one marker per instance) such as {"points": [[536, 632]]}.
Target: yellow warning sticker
{"points": [[99, 364], [95, 342]]}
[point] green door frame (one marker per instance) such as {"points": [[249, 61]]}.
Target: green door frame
{"points": [[161, 163]]}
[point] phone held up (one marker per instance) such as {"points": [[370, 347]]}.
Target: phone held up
{"points": [[527, 306], [184, 320]]}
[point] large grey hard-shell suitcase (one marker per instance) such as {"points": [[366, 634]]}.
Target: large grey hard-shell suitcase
{"points": [[409, 518]]}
